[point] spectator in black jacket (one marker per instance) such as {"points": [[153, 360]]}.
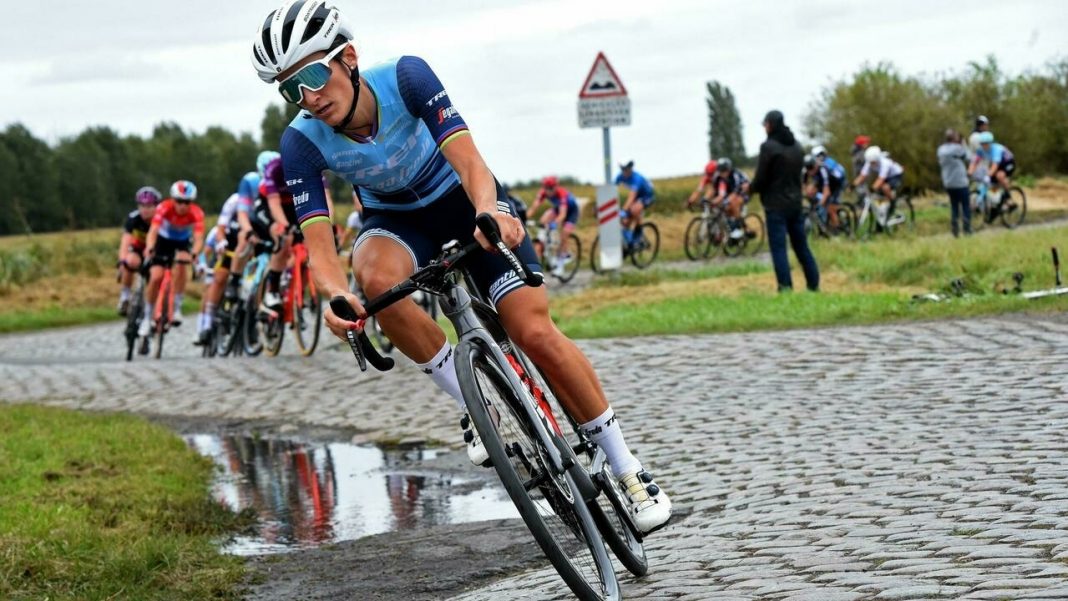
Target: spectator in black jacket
{"points": [[778, 180]]}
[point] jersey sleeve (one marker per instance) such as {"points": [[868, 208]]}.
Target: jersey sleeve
{"points": [[884, 169], [426, 98], [161, 212], [304, 165], [128, 225], [198, 219], [866, 169], [246, 194]]}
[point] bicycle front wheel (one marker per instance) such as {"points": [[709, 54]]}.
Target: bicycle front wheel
{"points": [[595, 255], [753, 226], [646, 246], [164, 320], [1014, 207], [698, 240], [550, 504], [307, 316]]}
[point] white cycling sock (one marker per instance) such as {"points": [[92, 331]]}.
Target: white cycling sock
{"points": [[209, 313], [606, 433], [148, 310], [442, 372], [124, 294], [178, 298]]}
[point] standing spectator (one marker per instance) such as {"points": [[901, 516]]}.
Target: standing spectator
{"points": [[860, 144], [778, 181], [982, 169], [953, 159]]}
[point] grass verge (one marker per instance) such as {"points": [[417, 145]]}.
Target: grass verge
{"points": [[104, 507]]}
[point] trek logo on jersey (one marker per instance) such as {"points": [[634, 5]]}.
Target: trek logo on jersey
{"points": [[299, 199], [293, 182], [436, 98], [447, 112]]}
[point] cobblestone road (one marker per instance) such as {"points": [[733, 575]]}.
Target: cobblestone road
{"points": [[902, 462]]}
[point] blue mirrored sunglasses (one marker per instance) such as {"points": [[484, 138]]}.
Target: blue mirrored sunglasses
{"points": [[312, 76]]}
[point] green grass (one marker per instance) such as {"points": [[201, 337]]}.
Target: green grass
{"points": [[56, 317], [107, 507], [880, 278]]}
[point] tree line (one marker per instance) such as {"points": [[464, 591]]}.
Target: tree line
{"points": [[89, 180]]}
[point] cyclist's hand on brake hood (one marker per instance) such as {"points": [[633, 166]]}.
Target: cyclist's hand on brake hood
{"points": [[338, 325], [512, 231]]}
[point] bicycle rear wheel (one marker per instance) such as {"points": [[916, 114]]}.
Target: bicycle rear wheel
{"points": [[550, 504], [1014, 208], [269, 328], [753, 226], [846, 221], [572, 260], [595, 255], [227, 326], [646, 247], [307, 315], [251, 342], [134, 315]]}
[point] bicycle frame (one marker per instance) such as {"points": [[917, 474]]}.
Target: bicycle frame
{"points": [[295, 292], [165, 292]]}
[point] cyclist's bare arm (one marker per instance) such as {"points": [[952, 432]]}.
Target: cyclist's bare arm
{"points": [[124, 243], [150, 240], [480, 188], [198, 242], [242, 237], [329, 202], [274, 204], [328, 274], [826, 194]]}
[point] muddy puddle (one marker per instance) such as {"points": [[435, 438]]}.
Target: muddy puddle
{"points": [[309, 494]]}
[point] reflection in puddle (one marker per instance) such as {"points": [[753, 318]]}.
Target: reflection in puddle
{"points": [[308, 494]]}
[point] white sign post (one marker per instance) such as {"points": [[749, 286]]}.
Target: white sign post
{"points": [[603, 103]]}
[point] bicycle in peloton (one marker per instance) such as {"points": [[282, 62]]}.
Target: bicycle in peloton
{"points": [[302, 308], [558, 479], [878, 214], [161, 313], [713, 231], [818, 223], [1010, 206], [546, 242], [641, 243], [234, 328], [136, 312]]}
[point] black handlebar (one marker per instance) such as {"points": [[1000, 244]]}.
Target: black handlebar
{"points": [[488, 225], [360, 345]]}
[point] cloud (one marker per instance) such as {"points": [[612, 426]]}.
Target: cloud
{"points": [[107, 66]]}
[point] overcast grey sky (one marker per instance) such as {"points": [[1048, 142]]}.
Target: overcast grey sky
{"points": [[513, 68]]}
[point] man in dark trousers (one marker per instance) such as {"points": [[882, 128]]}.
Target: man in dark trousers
{"points": [[778, 181]]}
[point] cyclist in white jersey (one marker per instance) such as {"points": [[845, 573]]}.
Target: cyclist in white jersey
{"points": [[889, 174]]}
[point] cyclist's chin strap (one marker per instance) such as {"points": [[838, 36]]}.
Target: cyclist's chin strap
{"points": [[354, 77]]}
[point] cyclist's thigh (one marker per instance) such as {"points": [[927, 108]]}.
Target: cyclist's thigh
{"points": [[389, 248]]}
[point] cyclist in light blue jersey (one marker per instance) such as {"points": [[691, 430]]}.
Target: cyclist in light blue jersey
{"points": [[640, 194], [1000, 160], [392, 131]]}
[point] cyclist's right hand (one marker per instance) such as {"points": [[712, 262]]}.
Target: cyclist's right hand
{"points": [[337, 325]]}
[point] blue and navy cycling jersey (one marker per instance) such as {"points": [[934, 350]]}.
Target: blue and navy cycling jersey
{"points": [[638, 183], [399, 167], [247, 191], [997, 154], [834, 169]]}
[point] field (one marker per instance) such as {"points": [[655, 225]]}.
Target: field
{"points": [[69, 278]]}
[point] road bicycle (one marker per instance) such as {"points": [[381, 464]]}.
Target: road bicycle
{"points": [[713, 231], [135, 312], [234, 328], [558, 479], [641, 244], [161, 313], [546, 242], [878, 214], [818, 224], [1010, 206], [301, 310]]}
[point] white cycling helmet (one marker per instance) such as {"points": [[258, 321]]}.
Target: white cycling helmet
{"points": [[872, 154], [819, 151], [295, 30]]}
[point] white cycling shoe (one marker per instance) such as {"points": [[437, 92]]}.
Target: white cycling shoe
{"points": [[476, 451], [145, 328], [649, 505]]}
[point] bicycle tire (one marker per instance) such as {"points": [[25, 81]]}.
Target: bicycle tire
{"points": [[250, 333], [1014, 214], [846, 221], [904, 205], [164, 318], [595, 256], [227, 326], [647, 247], [604, 509], [697, 235], [755, 224], [134, 316], [574, 261], [270, 329], [309, 312], [558, 535]]}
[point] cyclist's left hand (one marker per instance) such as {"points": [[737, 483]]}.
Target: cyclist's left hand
{"points": [[512, 231]]}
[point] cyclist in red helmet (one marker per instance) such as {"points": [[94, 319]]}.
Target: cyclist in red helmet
{"points": [[704, 187]]}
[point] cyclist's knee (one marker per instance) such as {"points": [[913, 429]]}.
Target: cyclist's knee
{"points": [[537, 337]]}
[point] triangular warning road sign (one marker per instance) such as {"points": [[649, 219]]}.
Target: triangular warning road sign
{"points": [[602, 80]]}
